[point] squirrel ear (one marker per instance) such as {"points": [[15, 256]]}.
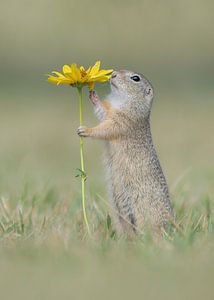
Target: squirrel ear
{"points": [[149, 92]]}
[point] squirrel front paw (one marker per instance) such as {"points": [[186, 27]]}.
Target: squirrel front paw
{"points": [[83, 131], [93, 97]]}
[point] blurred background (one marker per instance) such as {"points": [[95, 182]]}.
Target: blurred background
{"points": [[171, 42]]}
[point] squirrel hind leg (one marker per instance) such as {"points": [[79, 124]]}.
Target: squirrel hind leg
{"points": [[127, 226]]}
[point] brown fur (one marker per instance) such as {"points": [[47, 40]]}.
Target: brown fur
{"points": [[138, 190]]}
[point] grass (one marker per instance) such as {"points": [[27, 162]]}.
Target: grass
{"points": [[45, 251], [39, 218]]}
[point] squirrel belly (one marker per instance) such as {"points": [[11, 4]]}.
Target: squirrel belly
{"points": [[137, 186]]}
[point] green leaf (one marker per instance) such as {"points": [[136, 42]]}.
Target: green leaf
{"points": [[81, 174]]}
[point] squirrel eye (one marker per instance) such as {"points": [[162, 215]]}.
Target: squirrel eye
{"points": [[135, 78]]}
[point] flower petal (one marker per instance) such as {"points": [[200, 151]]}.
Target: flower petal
{"points": [[66, 69], [53, 79], [102, 73], [101, 79], [88, 70], [95, 68], [75, 73], [59, 80], [58, 74]]}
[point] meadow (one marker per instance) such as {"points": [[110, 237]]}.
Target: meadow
{"points": [[45, 252], [45, 249]]}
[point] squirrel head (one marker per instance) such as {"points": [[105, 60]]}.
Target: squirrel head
{"points": [[132, 88]]}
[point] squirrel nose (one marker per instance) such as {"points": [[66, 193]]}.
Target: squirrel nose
{"points": [[114, 74]]}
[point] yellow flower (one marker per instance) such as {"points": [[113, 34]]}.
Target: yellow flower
{"points": [[75, 76]]}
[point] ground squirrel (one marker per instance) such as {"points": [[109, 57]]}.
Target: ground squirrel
{"points": [[138, 189]]}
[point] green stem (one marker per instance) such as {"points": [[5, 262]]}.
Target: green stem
{"points": [[83, 176]]}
